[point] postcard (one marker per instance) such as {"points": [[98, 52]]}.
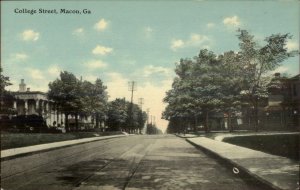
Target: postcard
{"points": [[148, 94]]}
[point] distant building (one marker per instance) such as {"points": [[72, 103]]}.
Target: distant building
{"points": [[283, 106], [293, 99], [28, 102]]}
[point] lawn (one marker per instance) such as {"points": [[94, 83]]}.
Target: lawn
{"points": [[15, 140], [286, 145]]}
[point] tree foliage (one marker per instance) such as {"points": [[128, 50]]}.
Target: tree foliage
{"points": [[211, 83], [5, 96], [77, 97], [119, 116]]}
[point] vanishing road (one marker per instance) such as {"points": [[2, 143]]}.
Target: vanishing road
{"points": [[133, 162]]}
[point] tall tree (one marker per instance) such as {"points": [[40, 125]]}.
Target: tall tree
{"points": [[94, 99], [117, 114], [66, 93], [231, 84], [257, 62]]}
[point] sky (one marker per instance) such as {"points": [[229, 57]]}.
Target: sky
{"points": [[123, 41]]}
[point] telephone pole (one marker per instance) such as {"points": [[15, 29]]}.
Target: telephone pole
{"points": [[131, 87]]}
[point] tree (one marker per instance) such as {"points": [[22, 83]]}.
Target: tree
{"points": [[230, 84], [138, 118], [94, 99], [257, 62], [66, 93], [142, 118], [79, 98], [4, 81], [117, 114], [5, 96], [212, 83], [152, 129], [181, 105], [196, 90]]}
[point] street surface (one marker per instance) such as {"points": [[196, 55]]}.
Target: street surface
{"points": [[134, 162]]}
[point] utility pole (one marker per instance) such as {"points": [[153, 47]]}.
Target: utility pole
{"points": [[131, 87]]}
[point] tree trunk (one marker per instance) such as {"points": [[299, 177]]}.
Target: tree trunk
{"points": [[196, 123], [229, 122], [67, 121], [206, 123], [256, 115], [97, 120], [76, 122]]}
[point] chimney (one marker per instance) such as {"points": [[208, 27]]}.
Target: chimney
{"points": [[22, 86], [28, 89]]}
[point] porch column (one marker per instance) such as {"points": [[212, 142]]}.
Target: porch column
{"points": [[54, 114], [62, 118], [42, 107], [15, 104], [46, 107], [26, 106], [37, 106]]}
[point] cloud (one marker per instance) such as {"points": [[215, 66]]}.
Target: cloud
{"points": [[292, 45], [210, 25], [280, 69], [101, 25], [197, 39], [192, 41], [117, 86], [148, 31], [95, 64], [35, 73], [19, 57], [150, 70], [175, 44], [232, 21], [91, 78], [30, 35], [54, 70], [101, 50], [78, 32]]}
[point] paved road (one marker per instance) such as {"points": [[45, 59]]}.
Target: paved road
{"points": [[135, 162]]}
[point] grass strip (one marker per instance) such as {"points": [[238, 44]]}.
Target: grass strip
{"points": [[286, 145]]}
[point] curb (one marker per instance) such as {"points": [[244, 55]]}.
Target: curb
{"points": [[232, 164], [185, 137]]}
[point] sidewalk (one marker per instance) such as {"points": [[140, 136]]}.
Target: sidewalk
{"points": [[41, 147], [275, 171]]}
